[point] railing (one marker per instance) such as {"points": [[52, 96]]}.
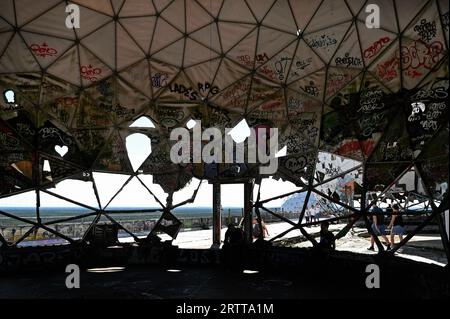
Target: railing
{"points": [[76, 229]]}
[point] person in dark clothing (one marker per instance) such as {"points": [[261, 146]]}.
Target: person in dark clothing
{"points": [[327, 239], [396, 225], [378, 227], [234, 235], [231, 228], [232, 249]]}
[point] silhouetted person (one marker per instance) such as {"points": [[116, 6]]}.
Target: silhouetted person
{"points": [[378, 227], [234, 235], [327, 239], [396, 225], [232, 247]]}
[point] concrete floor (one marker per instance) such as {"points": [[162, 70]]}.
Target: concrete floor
{"points": [[151, 282], [189, 283]]}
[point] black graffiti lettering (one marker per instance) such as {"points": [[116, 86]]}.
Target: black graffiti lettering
{"points": [[181, 89], [445, 21], [426, 30], [204, 87], [348, 61], [310, 89], [322, 41]]}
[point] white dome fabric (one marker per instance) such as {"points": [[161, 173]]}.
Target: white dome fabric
{"points": [[312, 69]]}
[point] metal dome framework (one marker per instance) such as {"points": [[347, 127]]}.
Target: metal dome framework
{"points": [[310, 68]]}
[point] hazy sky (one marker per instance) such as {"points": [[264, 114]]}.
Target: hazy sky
{"points": [[135, 195]]}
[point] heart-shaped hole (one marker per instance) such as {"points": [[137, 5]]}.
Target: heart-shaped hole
{"points": [[61, 150]]}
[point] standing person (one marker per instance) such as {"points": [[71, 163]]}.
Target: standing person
{"points": [[316, 212], [378, 227], [256, 228], [265, 230], [312, 213], [396, 225], [228, 234], [231, 253], [308, 214]]}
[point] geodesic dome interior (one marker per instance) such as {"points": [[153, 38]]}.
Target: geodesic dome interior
{"points": [[312, 69]]}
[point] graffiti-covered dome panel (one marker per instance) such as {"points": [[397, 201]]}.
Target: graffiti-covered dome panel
{"points": [[364, 82]]}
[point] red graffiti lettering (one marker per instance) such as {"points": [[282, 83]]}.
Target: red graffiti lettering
{"points": [[90, 73], [375, 47], [413, 57], [355, 147], [43, 50]]}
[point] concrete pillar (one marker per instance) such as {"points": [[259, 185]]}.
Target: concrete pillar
{"points": [[217, 216], [248, 199]]}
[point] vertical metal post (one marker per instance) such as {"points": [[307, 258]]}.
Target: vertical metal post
{"points": [[439, 218], [365, 211], [248, 208], [3, 241], [447, 224], [37, 178], [217, 217]]}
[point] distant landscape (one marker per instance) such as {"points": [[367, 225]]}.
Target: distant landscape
{"points": [[119, 213]]}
